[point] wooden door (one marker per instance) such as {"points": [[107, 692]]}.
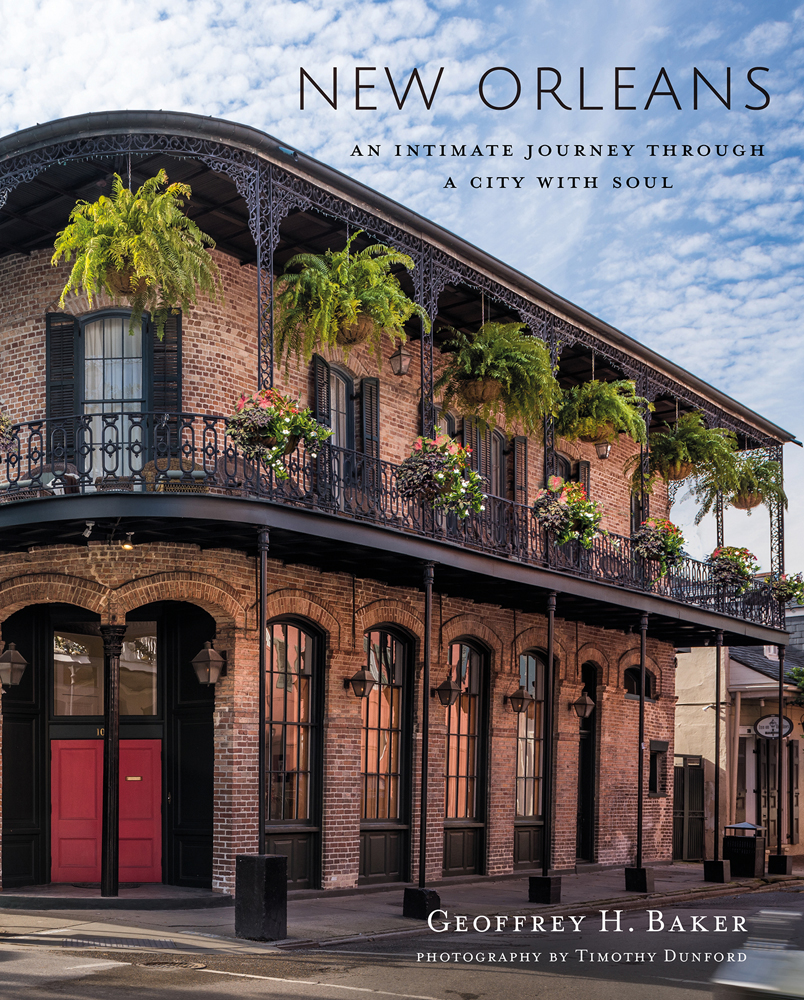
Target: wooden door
{"points": [[140, 810], [77, 803], [76, 796]]}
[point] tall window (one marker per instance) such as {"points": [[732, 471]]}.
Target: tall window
{"points": [[530, 738], [290, 727], [380, 752], [463, 733], [339, 403]]}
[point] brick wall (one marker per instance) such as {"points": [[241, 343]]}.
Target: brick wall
{"points": [[111, 582]]}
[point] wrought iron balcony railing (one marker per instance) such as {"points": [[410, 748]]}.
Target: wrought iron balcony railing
{"points": [[192, 453]]}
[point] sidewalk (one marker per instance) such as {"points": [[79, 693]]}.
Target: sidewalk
{"points": [[362, 915]]}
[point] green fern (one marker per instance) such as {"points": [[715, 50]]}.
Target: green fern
{"points": [[603, 411], [145, 235], [753, 473], [707, 451], [505, 353], [332, 290]]}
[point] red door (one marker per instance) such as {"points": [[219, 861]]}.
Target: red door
{"points": [[140, 811], [76, 810], [76, 797]]}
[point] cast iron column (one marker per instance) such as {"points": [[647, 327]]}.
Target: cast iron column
{"points": [[643, 652], [779, 755], [547, 786], [428, 618], [112, 636], [719, 642], [262, 613]]}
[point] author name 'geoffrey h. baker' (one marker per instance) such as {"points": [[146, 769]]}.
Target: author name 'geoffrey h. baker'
{"points": [[608, 921]]}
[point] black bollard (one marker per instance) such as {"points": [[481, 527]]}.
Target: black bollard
{"points": [[261, 897]]}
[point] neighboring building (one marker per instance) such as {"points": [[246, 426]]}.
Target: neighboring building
{"points": [[748, 762], [123, 436]]}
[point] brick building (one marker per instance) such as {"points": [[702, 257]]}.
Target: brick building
{"points": [[330, 560]]}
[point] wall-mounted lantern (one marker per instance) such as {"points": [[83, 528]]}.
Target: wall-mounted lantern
{"points": [[448, 692], [361, 683], [520, 700], [584, 706], [400, 361], [603, 448], [209, 665], [12, 666]]}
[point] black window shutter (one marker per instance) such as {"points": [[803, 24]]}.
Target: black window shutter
{"points": [[470, 440], [485, 442], [584, 470], [167, 368], [370, 414], [62, 392], [520, 456], [321, 410]]}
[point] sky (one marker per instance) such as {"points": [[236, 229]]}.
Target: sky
{"points": [[704, 266]]}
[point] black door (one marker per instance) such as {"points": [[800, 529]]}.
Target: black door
{"points": [[688, 809], [585, 826], [26, 791], [767, 770], [188, 760]]}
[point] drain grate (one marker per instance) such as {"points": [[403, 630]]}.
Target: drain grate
{"points": [[99, 941], [165, 964]]}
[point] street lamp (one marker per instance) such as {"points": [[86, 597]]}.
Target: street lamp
{"points": [[12, 666], [208, 665]]}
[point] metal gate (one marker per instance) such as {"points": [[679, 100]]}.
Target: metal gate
{"points": [[688, 808]]}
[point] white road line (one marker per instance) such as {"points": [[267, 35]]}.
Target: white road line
{"points": [[327, 986], [97, 965]]}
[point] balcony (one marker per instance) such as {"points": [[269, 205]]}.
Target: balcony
{"points": [[130, 455]]}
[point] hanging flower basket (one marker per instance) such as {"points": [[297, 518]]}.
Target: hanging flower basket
{"points": [[733, 567], [6, 432], [746, 501], [479, 391], [788, 589], [677, 471], [659, 540], [437, 472], [267, 426], [352, 334], [564, 510]]}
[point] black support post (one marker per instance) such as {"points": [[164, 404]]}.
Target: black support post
{"points": [[547, 888], [419, 903], [779, 863], [717, 870], [262, 546], [112, 636], [638, 878]]}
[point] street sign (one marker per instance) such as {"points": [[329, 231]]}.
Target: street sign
{"points": [[768, 726]]}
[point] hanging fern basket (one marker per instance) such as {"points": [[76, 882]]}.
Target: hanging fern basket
{"points": [[355, 333], [677, 471], [479, 391], [746, 501], [121, 282], [605, 432]]}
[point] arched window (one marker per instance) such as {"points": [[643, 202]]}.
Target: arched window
{"points": [[631, 683], [530, 738], [292, 746], [384, 765]]}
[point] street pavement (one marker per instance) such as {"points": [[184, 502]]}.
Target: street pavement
{"points": [[666, 945]]}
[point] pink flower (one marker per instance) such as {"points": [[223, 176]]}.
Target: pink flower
{"points": [[417, 446]]}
